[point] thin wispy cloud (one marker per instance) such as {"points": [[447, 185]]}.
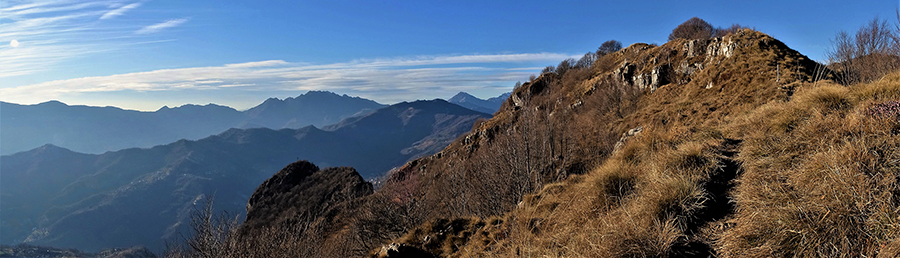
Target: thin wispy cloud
{"points": [[385, 80], [119, 11], [259, 64], [50, 32], [161, 26]]}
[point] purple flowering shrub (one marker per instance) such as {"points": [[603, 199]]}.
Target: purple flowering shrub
{"points": [[889, 109]]}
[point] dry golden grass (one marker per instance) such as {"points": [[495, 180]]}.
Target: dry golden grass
{"points": [[820, 176], [648, 200], [820, 179], [666, 192], [733, 161]]}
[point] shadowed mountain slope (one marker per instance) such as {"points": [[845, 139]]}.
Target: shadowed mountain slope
{"points": [[53, 196]]}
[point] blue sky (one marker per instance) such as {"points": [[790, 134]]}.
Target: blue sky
{"points": [[143, 54]]}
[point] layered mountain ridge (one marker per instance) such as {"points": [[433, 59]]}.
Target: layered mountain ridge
{"points": [[57, 197], [99, 129]]}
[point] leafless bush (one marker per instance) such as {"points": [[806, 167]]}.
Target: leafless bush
{"points": [[866, 55], [721, 32], [210, 234], [565, 65], [693, 28], [608, 47], [586, 61], [548, 69]]}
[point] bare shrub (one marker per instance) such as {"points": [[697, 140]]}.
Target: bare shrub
{"points": [[211, 234], [548, 69], [565, 65], [693, 28], [866, 55], [586, 61], [610, 46], [721, 32]]}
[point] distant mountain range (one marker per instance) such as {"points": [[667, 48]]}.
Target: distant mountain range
{"points": [[489, 106], [316, 108], [100, 129], [56, 197]]}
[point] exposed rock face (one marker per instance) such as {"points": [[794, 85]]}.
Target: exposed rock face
{"points": [[688, 69], [658, 76], [648, 68], [278, 184], [720, 47], [626, 135], [695, 47], [643, 81], [301, 189]]}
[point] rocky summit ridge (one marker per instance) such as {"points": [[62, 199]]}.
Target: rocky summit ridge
{"points": [[506, 182]]}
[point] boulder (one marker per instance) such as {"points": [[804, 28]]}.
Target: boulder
{"points": [[625, 136]]}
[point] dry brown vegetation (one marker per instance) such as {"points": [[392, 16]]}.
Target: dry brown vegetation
{"points": [[820, 175], [640, 202], [817, 176], [666, 193], [867, 55], [663, 194], [748, 149]]}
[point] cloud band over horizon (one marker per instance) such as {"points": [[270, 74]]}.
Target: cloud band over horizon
{"points": [[383, 80]]}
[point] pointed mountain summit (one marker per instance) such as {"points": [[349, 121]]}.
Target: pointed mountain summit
{"points": [[488, 106], [317, 108]]}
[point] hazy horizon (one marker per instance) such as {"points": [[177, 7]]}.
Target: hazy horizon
{"points": [[245, 108]]}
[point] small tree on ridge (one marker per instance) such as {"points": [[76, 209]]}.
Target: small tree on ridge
{"points": [[693, 28]]}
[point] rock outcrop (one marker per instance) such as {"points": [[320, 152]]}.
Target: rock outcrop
{"points": [[625, 136], [647, 67], [301, 189], [637, 90]]}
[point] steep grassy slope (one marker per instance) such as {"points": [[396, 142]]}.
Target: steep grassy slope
{"points": [[679, 188], [735, 146], [814, 176]]}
